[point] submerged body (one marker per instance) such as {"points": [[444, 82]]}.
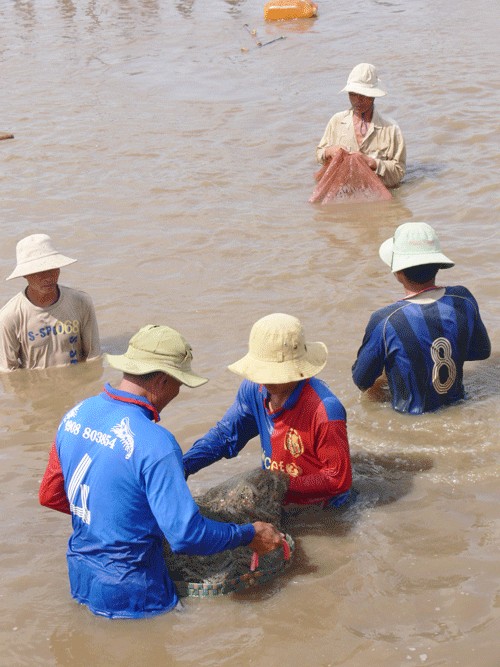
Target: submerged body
{"points": [[306, 438], [59, 334], [383, 142], [347, 177], [121, 477], [422, 343]]}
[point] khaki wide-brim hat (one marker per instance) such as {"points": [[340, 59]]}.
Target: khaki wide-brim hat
{"points": [[158, 348], [278, 352], [364, 80], [36, 253], [413, 244]]}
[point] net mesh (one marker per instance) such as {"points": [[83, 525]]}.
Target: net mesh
{"points": [[347, 177], [251, 496]]}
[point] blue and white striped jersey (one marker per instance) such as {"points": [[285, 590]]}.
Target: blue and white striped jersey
{"points": [[422, 344]]}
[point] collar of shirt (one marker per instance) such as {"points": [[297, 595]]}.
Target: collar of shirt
{"points": [[376, 120], [125, 397], [290, 402]]}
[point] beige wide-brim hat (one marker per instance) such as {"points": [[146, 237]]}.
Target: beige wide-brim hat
{"points": [[278, 352], [35, 253], [158, 348], [364, 80], [413, 244]]}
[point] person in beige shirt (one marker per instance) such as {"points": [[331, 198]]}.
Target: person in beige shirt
{"points": [[362, 129], [46, 324]]}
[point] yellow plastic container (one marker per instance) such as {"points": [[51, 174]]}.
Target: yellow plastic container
{"points": [[276, 10]]}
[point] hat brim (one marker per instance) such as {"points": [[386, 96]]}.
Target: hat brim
{"points": [[402, 261], [363, 90], [135, 367], [273, 372], [55, 261]]}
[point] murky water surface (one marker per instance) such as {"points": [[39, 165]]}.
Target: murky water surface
{"points": [[173, 156]]}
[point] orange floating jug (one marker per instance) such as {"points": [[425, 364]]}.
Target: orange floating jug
{"points": [[289, 9]]}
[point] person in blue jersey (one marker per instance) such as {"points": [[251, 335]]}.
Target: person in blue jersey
{"points": [[301, 423], [120, 476], [422, 341]]}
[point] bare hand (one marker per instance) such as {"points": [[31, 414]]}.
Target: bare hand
{"points": [[267, 538], [330, 151], [369, 161], [379, 391]]}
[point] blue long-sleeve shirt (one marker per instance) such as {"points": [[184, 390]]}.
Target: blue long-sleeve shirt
{"points": [[306, 438], [124, 481]]}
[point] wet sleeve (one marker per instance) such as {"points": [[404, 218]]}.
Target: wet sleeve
{"points": [[228, 437], [91, 344], [10, 346], [479, 344], [178, 516], [371, 357], [393, 168], [51, 493], [330, 138]]}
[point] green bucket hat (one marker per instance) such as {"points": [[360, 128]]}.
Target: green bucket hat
{"points": [[413, 244], [158, 348]]}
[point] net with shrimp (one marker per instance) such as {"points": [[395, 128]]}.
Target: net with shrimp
{"points": [[251, 496], [347, 177]]}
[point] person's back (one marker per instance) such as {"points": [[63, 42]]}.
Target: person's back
{"points": [[426, 341], [120, 476], [105, 462], [422, 340]]}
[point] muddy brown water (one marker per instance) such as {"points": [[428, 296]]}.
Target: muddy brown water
{"points": [[158, 144]]}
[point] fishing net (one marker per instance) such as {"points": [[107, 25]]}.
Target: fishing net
{"points": [[347, 177], [252, 496]]}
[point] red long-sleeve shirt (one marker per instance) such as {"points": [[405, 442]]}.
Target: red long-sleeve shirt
{"points": [[52, 493]]}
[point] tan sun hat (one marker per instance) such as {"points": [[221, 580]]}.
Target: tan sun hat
{"points": [[278, 352], [413, 244], [158, 348], [35, 253], [364, 80]]}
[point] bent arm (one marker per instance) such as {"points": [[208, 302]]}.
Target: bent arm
{"points": [[10, 346], [392, 167], [369, 363], [227, 437], [91, 345], [329, 143], [51, 493], [480, 347], [178, 516]]}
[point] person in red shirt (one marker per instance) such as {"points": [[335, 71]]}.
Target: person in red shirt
{"points": [[120, 475], [301, 423]]}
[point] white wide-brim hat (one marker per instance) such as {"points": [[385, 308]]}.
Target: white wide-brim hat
{"points": [[364, 80], [158, 348], [36, 253], [413, 244], [278, 352]]}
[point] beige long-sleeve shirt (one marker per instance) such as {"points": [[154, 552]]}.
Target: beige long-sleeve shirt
{"points": [[37, 337], [383, 142]]}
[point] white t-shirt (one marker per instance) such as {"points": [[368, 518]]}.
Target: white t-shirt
{"points": [[58, 335]]}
